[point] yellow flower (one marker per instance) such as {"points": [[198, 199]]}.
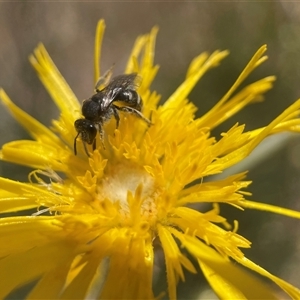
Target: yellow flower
{"points": [[97, 217]]}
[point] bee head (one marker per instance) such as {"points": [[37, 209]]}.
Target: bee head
{"points": [[86, 130]]}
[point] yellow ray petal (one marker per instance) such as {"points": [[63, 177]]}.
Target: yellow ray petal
{"points": [[231, 282], [34, 262], [222, 287], [250, 287], [235, 179], [55, 84], [250, 94], [34, 154], [147, 69], [224, 194], [37, 130], [135, 52], [174, 260], [28, 232], [292, 110], [133, 258], [270, 208], [194, 222], [255, 61], [98, 43], [88, 273], [15, 203], [243, 151], [22, 195], [148, 58], [175, 100], [79, 286], [51, 284], [288, 288]]}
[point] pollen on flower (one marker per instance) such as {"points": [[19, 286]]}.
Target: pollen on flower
{"points": [[128, 177]]}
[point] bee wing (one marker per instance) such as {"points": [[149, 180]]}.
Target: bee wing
{"points": [[125, 81], [104, 79], [118, 83], [109, 96]]}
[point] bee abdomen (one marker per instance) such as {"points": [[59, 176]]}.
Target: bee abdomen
{"points": [[132, 98]]}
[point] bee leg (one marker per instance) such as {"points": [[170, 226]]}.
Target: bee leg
{"points": [[85, 149], [94, 145], [135, 112], [101, 134], [116, 114]]}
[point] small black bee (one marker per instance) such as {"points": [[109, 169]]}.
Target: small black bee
{"points": [[101, 107]]}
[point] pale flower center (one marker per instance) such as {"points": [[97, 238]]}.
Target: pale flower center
{"points": [[121, 178]]}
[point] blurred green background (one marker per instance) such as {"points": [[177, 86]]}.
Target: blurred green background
{"points": [[186, 29]]}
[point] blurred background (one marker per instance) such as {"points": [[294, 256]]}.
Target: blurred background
{"points": [[186, 29]]}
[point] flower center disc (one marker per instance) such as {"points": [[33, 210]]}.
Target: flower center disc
{"points": [[123, 179]]}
